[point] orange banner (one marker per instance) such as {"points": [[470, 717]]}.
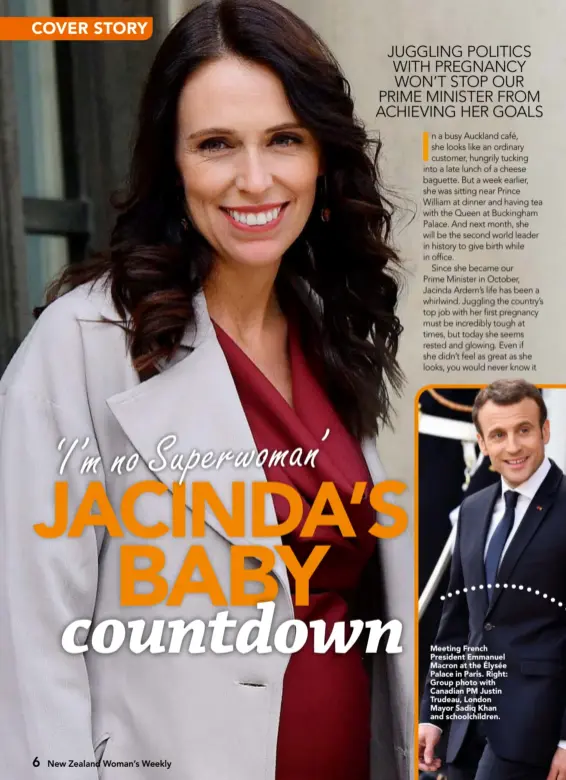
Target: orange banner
{"points": [[76, 28]]}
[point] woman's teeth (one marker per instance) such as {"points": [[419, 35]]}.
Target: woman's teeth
{"points": [[258, 218]]}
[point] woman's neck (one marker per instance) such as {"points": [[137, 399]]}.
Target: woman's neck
{"points": [[242, 300]]}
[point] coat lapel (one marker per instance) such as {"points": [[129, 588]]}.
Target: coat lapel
{"points": [[369, 450], [196, 400], [534, 516]]}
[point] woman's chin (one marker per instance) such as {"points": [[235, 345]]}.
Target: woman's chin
{"points": [[251, 259]]}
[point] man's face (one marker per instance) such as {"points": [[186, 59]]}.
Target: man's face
{"points": [[511, 436]]}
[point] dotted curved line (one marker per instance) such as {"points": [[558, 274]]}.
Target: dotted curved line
{"points": [[504, 585]]}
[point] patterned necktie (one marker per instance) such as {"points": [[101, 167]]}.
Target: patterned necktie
{"points": [[497, 541]]}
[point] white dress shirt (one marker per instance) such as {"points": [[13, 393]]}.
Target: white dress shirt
{"points": [[526, 491]]}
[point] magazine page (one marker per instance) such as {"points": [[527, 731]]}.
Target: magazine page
{"points": [[282, 428], [206, 402]]}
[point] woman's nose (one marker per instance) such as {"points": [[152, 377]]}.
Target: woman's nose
{"points": [[254, 175]]}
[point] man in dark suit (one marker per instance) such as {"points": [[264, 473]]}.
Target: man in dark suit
{"points": [[507, 596]]}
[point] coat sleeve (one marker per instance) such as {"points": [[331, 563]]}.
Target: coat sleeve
{"points": [[454, 622], [45, 584]]}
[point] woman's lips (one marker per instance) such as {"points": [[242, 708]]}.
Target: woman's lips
{"points": [[255, 228]]}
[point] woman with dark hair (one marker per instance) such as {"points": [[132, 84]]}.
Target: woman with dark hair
{"points": [[246, 304]]}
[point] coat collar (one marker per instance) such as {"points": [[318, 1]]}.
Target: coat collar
{"points": [[194, 397]]}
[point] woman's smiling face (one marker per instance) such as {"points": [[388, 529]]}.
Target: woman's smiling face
{"points": [[249, 168]]}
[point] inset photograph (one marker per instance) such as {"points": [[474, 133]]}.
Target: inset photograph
{"points": [[492, 590]]}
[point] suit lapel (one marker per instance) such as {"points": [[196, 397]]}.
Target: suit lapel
{"points": [[534, 516], [196, 400], [475, 555]]}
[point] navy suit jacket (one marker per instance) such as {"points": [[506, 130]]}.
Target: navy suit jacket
{"points": [[528, 628]]}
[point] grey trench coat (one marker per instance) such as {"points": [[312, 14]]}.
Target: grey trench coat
{"points": [[209, 716]]}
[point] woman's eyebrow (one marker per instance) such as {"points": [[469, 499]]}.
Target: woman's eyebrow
{"points": [[228, 131]]}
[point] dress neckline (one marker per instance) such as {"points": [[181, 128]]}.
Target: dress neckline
{"points": [[263, 377]]}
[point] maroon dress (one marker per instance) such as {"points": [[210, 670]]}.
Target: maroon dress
{"points": [[324, 730]]}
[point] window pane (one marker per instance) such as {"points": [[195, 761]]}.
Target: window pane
{"points": [[46, 256], [39, 132], [39, 139]]}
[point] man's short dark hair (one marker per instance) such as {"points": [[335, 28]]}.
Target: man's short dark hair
{"points": [[505, 392]]}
